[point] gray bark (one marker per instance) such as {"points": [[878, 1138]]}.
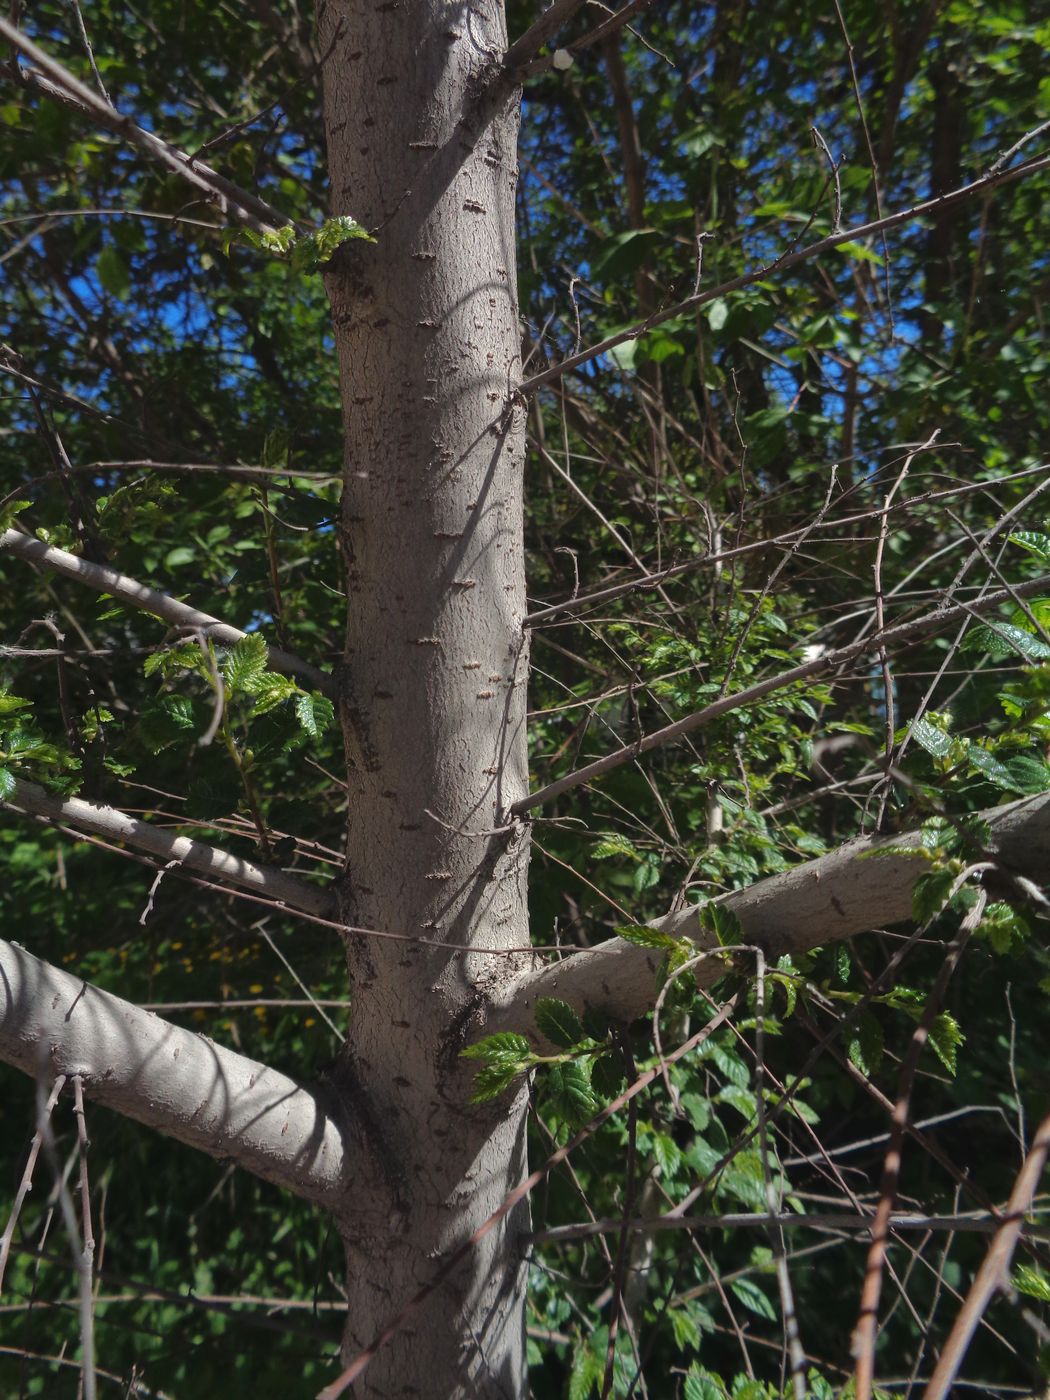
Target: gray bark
{"points": [[115, 825], [151, 600], [422, 152], [862, 885], [171, 1079]]}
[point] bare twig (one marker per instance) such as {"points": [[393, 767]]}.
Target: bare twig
{"points": [[993, 1273], [790, 258], [52, 79], [151, 600], [26, 1184], [818, 666]]}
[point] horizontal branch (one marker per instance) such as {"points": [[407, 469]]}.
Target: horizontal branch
{"points": [[171, 1079], [645, 581], [887, 639], [651, 1225], [53, 80], [115, 825], [857, 233], [849, 891], [127, 590]]}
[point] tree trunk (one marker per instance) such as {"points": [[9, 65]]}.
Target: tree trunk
{"points": [[422, 140]]}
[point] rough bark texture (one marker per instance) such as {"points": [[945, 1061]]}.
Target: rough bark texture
{"points": [[422, 152], [171, 1079]]}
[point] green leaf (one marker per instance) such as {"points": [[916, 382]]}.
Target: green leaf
{"points": [[700, 1384], [931, 893], [112, 271], [7, 784], [752, 1297], [272, 690], [723, 923], [645, 936], [1035, 543], [10, 511], [505, 1043], [315, 712], [1004, 639], [1032, 1281], [865, 1044], [989, 766], [569, 1093], [613, 844], [170, 720], [245, 664], [10, 703], [558, 1022], [946, 1036], [935, 741], [852, 249], [586, 1374], [609, 1074], [494, 1078]]}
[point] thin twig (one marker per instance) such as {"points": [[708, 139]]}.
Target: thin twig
{"points": [[790, 258], [993, 1274], [26, 1184]]}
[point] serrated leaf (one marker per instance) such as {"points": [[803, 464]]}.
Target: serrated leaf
{"points": [[752, 1297], [245, 664], [667, 1153], [865, 1044], [569, 1093], [10, 511], [935, 741], [7, 784], [504, 1043], [9, 703], [558, 1022], [494, 1078], [1004, 639], [931, 893], [989, 766], [271, 691], [612, 844], [946, 1036], [596, 1023], [172, 719], [1031, 1281], [1034, 542], [702, 1385], [586, 1373], [723, 923], [685, 1329], [315, 712], [646, 936]]}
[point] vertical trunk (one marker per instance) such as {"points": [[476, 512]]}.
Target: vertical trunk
{"points": [[422, 151]]}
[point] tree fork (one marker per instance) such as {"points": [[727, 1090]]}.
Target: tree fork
{"points": [[422, 139]]}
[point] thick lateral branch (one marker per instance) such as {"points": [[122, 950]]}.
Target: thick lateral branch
{"points": [[115, 825], [152, 600], [56, 82], [534, 38], [888, 638], [171, 1079], [824, 901], [788, 259]]}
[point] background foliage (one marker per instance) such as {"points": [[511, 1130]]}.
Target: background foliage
{"points": [[138, 352]]}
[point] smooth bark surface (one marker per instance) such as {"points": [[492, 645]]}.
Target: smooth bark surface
{"points": [[422, 152], [171, 1079], [865, 884], [115, 825]]}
